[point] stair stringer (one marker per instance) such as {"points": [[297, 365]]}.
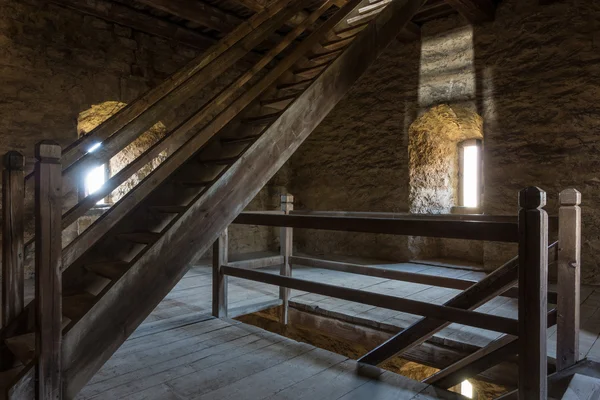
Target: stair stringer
{"points": [[92, 341]]}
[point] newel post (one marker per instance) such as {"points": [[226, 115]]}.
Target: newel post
{"points": [[219, 284], [286, 242], [569, 259], [12, 236], [533, 293], [48, 260]]}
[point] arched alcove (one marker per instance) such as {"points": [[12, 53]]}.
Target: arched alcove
{"points": [[97, 114], [433, 146], [434, 140]]}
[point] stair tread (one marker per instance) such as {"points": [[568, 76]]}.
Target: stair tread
{"points": [[112, 270], [76, 305], [140, 237], [262, 120], [325, 56], [219, 161], [351, 31], [243, 139], [22, 346], [338, 43], [310, 72], [278, 103], [294, 85], [168, 209]]}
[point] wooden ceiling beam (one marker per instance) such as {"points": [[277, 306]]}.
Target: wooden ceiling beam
{"points": [[475, 11], [131, 18], [198, 12]]}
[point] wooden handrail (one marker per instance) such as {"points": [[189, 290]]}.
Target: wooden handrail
{"points": [[471, 230], [439, 312]]}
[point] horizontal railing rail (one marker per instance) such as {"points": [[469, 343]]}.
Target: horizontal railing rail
{"points": [[410, 226], [452, 314]]}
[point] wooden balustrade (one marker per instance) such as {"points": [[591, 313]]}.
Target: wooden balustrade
{"points": [[530, 270], [12, 237], [533, 286], [219, 280], [569, 260], [286, 243], [48, 282]]}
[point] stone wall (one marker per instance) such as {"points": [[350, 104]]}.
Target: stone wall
{"points": [[533, 75]]}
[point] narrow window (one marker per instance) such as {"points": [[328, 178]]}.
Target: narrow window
{"points": [[470, 173], [96, 177]]}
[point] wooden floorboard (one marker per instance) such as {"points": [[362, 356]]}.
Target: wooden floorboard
{"points": [[180, 352]]}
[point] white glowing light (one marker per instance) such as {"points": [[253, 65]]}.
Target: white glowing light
{"points": [[95, 179], [94, 147], [466, 389], [470, 176]]}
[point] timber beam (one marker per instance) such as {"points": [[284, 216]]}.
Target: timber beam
{"points": [[198, 12], [131, 18]]}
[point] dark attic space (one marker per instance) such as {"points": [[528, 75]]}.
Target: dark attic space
{"points": [[300, 199]]}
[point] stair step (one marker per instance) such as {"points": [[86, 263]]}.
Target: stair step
{"points": [[219, 161], [244, 139], [77, 305], [22, 346], [352, 31], [112, 270], [193, 183], [364, 18], [311, 72], [262, 120], [168, 209], [140, 237], [278, 103], [325, 57], [301, 85], [337, 44], [374, 6]]}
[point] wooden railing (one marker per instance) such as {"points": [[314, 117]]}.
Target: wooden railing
{"points": [[525, 335]]}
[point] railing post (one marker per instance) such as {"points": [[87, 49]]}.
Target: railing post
{"points": [[48, 256], [533, 289], [569, 259], [286, 241], [220, 258], [13, 197]]}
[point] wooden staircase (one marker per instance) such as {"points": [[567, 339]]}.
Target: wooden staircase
{"points": [[118, 270]]}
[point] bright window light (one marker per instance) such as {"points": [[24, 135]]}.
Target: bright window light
{"points": [[94, 180], [470, 184], [466, 389]]}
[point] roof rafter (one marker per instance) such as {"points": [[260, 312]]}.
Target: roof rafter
{"points": [[131, 18], [198, 12]]}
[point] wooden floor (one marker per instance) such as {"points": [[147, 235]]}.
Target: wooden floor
{"points": [[206, 358], [181, 353]]}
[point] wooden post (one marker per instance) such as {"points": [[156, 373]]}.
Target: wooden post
{"points": [[569, 259], [220, 258], [13, 288], [286, 236], [533, 288], [48, 258]]}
